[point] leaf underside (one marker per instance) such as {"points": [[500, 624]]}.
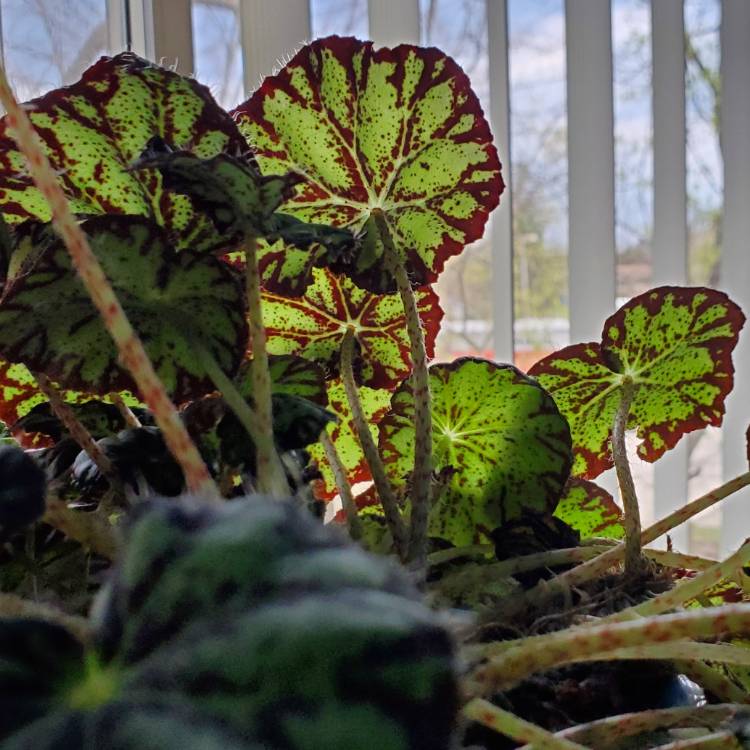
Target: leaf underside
{"points": [[676, 344], [499, 433], [399, 130], [177, 302], [314, 325]]}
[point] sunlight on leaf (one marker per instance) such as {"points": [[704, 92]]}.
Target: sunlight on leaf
{"points": [[676, 344], [394, 129]]}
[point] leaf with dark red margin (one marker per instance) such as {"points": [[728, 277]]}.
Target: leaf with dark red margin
{"points": [[500, 433], [375, 404], [314, 325], [398, 130], [175, 301], [676, 344], [19, 394], [590, 510], [93, 130]]}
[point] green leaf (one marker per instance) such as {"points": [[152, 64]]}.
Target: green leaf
{"points": [[177, 302], [499, 433], [675, 343], [230, 190], [93, 130], [314, 326], [398, 130], [590, 510], [242, 202], [20, 397], [290, 376], [343, 435]]}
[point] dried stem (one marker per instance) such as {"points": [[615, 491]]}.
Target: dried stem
{"points": [[270, 471], [421, 482], [77, 430], [598, 566], [12, 606], [633, 558], [125, 411], [383, 487], [342, 485], [91, 530], [614, 729], [504, 722], [510, 665], [132, 353]]}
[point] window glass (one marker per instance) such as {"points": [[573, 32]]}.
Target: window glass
{"points": [[217, 50], [48, 43]]}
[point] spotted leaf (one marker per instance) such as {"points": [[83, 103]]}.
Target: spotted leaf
{"points": [[675, 344], [499, 433], [93, 130], [590, 510], [314, 325], [398, 130], [344, 437], [20, 397], [178, 303]]}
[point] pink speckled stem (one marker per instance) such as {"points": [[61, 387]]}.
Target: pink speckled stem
{"points": [[353, 522], [713, 741], [612, 729], [597, 567], [510, 665], [688, 588], [125, 411], [421, 481], [631, 510], [361, 427], [269, 469], [132, 353], [77, 431], [504, 722]]}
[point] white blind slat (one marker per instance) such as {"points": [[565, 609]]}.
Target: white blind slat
{"points": [[502, 220], [669, 248], [393, 23], [591, 193], [271, 33], [735, 259]]}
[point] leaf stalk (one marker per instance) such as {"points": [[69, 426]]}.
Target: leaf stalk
{"points": [[129, 345], [383, 486], [421, 483]]}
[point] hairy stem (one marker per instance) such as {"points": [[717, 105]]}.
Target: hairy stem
{"points": [[248, 419], [270, 472], [504, 722], [125, 411], [77, 430], [633, 558], [599, 565], [687, 589], [132, 353], [421, 483], [714, 741], [510, 665], [15, 607], [385, 492], [342, 485], [613, 729]]}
